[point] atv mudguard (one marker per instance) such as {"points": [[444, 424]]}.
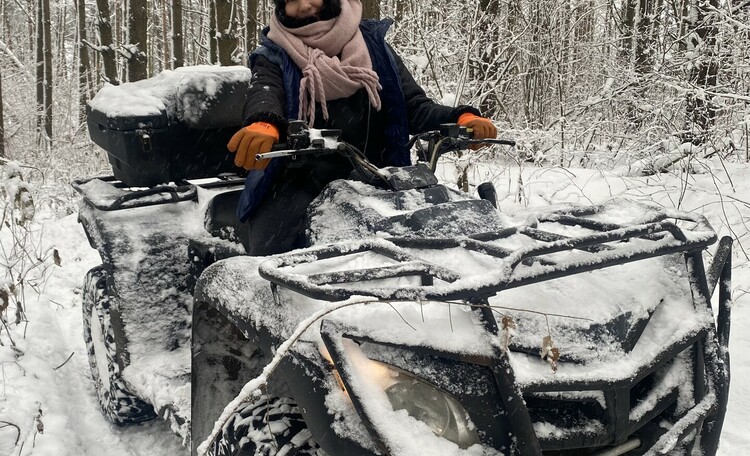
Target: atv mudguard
{"points": [[153, 246]]}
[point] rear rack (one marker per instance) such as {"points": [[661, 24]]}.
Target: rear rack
{"points": [[107, 193], [609, 244]]}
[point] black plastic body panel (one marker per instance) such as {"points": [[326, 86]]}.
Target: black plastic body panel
{"points": [[150, 150]]}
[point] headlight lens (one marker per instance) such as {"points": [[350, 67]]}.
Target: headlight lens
{"points": [[441, 412]]}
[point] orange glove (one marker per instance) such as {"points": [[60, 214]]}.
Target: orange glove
{"points": [[256, 138], [481, 127]]}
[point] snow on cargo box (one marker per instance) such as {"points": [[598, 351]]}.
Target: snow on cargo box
{"points": [[172, 126]]}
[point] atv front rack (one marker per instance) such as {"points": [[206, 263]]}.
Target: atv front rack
{"points": [[609, 244]]}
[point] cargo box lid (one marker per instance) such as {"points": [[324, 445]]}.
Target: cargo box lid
{"points": [[202, 96]]}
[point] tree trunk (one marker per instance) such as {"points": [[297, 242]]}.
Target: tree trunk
{"points": [[44, 74], [684, 21], [137, 26], [84, 65], [536, 77], [47, 31], [39, 71], [178, 46], [61, 45], [165, 27], [645, 39], [401, 6], [226, 41], [106, 45], [370, 9], [2, 119], [251, 24], [487, 52], [120, 35], [701, 109], [213, 48], [628, 30]]}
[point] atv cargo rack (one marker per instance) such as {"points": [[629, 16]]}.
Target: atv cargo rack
{"points": [[610, 245], [660, 232]]}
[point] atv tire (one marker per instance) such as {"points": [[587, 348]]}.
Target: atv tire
{"points": [[115, 398], [266, 427]]}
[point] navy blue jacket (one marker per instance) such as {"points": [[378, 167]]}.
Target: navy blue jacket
{"points": [[383, 135]]}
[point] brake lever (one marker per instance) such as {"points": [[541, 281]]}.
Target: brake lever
{"points": [[301, 143], [284, 152], [456, 144], [502, 142]]}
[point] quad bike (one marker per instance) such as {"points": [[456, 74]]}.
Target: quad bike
{"points": [[417, 320]]}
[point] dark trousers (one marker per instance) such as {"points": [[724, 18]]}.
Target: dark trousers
{"points": [[277, 224]]}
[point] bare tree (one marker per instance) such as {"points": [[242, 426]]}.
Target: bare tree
{"points": [[703, 76], [178, 47], [44, 73], [84, 64], [251, 24], [106, 44], [213, 45], [2, 119], [226, 28], [137, 26], [537, 80]]}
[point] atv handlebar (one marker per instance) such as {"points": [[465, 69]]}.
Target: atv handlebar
{"points": [[449, 138]]}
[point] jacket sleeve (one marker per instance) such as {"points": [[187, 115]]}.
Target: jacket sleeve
{"points": [[422, 112], [265, 100]]}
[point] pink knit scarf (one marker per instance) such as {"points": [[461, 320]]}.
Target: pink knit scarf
{"points": [[316, 48]]}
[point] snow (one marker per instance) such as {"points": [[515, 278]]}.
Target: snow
{"points": [[73, 424], [170, 92]]}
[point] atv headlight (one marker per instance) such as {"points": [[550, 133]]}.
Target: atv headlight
{"points": [[441, 412]]}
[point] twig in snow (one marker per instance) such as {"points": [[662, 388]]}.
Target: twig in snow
{"points": [[5, 424], [64, 362], [402, 317]]}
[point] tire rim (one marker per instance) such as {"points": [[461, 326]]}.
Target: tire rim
{"points": [[100, 350]]}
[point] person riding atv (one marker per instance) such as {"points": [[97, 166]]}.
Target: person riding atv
{"points": [[319, 62]]}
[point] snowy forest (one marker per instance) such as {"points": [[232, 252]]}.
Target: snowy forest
{"points": [[642, 99], [591, 83]]}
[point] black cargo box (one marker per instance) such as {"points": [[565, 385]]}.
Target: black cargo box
{"points": [[172, 126]]}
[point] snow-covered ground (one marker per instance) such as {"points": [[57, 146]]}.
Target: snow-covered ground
{"points": [[40, 390]]}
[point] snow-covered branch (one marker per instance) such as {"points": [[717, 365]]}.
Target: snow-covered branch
{"points": [[18, 63]]}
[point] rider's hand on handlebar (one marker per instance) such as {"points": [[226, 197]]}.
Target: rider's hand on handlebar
{"points": [[256, 138], [482, 128]]}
